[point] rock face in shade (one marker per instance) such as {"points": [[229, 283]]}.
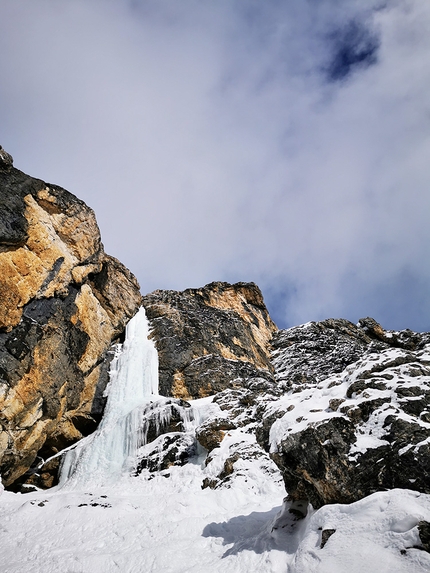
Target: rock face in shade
{"points": [[63, 302], [206, 338], [354, 417]]}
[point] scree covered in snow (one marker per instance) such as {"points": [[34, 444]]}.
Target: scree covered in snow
{"points": [[100, 519]]}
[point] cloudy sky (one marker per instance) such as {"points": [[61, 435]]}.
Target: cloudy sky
{"points": [[285, 142]]}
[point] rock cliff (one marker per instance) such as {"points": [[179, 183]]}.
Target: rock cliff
{"points": [[337, 410], [63, 302], [206, 338], [355, 415]]}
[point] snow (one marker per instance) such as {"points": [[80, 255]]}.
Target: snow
{"points": [[165, 524], [377, 533], [312, 404], [170, 525], [101, 520]]}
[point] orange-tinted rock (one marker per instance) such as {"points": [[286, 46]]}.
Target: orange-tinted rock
{"points": [[63, 302], [208, 337]]}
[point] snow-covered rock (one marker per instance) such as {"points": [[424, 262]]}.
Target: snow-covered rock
{"points": [[355, 417]]}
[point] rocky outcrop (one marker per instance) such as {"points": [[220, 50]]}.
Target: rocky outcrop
{"points": [[171, 432], [355, 415], [310, 352], [211, 433], [165, 434], [208, 337], [346, 415], [6, 160], [229, 433], [63, 303]]}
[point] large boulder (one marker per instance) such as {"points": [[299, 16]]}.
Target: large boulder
{"points": [[355, 416], [63, 302], [206, 338]]}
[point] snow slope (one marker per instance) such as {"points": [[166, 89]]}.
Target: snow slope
{"points": [[106, 522], [170, 525]]}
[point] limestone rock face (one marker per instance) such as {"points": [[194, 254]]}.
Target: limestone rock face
{"points": [[63, 302], [355, 414], [208, 337]]}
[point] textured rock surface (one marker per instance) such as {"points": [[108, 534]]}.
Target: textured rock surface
{"points": [[62, 303], [208, 337], [355, 416], [230, 433], [171, 449], [166, 435], [310, 352], [211, 433], [346, 415]]}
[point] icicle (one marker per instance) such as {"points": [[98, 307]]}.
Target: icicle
{"points": [[154, 419], [111, 450]]}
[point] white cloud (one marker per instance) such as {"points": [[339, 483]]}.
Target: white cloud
{"points": [[211, 145]]}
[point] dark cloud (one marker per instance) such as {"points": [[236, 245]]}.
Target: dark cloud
{"points": [[354, 47]]}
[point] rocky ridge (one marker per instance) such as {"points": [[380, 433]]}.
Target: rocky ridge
{"points": [[345, 432], [345, 415]]}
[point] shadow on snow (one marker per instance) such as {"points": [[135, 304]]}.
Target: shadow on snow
{"points": [[251, 532]]}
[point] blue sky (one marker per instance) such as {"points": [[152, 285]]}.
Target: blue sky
{"points": [[286, 143]]}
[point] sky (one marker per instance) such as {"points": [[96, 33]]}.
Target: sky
{"points": [[281, 142]]}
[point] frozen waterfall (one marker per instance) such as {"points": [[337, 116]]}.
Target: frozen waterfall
{"points": [[104, 456]]}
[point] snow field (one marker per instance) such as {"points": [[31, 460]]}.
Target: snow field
{"points": [[170, 525]]}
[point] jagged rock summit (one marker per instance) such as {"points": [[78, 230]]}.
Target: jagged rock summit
{"points": [[63, 302], [208, 337]]}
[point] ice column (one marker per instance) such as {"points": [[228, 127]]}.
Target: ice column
{"points": [[108, 453]]}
